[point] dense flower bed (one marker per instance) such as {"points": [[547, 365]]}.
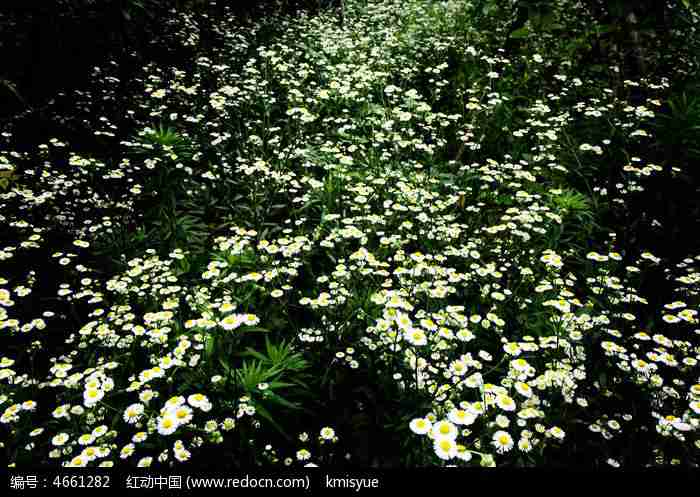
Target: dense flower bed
{"points": [[393, 198]]}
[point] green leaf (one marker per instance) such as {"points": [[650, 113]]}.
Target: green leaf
{"points": [[224, 365], [280, 384], [209, 346], [277, 399], [520, 33], [605, 28], [255, 329], [253, 353], [266, 415], [302, 384]]}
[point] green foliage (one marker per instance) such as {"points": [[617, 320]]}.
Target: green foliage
{"points": [[7, 178], [165, 139], [571, 201], [578, 219], [388, 224], [265, 377], [679, 128]]}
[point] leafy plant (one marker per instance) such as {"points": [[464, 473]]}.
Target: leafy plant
{"points": [[7, 177], [166, 137], [578, 218], [678, 130], [264, 377]]}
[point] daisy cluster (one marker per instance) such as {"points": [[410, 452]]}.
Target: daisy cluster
{"points": [[380, 214]]}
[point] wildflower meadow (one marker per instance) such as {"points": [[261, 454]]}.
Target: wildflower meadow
{"points": [[397, 233]]}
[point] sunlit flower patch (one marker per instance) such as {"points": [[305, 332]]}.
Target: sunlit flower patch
{"points": [[340, 208]]}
